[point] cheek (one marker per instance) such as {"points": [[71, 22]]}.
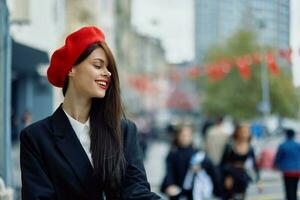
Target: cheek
{"points": [[246, 134], [85, 82]]}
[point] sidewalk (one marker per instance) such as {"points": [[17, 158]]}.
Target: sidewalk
{"points": [[155, 164]]}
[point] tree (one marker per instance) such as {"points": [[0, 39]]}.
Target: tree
{"points": [[238, 92]]}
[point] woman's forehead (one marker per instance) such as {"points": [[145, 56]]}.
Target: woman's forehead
{"points": [[98, 55]]}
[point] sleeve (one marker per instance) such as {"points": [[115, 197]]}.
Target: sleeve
{"points": [[226, 155], [169, 178], [215, 175], [255, 165], [278, 158], [136, 185], [36, 184]]}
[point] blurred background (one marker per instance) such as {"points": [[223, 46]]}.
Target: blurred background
{"points": [[181, 62]]}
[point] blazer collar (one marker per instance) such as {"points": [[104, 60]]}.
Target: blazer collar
{"points": [[69, 145]]}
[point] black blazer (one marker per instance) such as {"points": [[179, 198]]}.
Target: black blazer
{"points": [[55, 166]]}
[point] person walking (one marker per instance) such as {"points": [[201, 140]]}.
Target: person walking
{"points": [[215, 141], [178, 163], [287, 160], [237, 154]]}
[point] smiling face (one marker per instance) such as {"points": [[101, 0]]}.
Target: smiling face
{"points": [[91, 77]]}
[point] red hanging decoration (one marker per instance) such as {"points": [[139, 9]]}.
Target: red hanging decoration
{"points": [[175, 76], [225, 65], [286, 54], [256, 58], [194, 72], [243, 66], [272, 65], [214, 72], [142, 84]]}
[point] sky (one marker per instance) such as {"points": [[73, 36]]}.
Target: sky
{"points": [[172, 21], [169, 20]]}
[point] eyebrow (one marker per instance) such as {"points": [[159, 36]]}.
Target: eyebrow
{"points": [[99, 59]]}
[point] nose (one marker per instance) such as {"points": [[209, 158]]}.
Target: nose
{"points": [[106, 73]]}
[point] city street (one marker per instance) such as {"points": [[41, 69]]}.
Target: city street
{"points": [[273, 189], [219, 69]]}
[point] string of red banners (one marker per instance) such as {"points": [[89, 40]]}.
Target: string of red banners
{"points": [[218, 69]]}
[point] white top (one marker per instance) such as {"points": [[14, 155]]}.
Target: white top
{"points": [[82, 131]]}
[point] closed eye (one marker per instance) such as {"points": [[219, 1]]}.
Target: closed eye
{"points": [[97, 66]]}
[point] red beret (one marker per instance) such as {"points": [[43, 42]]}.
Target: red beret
{"points": [[65, 57]]}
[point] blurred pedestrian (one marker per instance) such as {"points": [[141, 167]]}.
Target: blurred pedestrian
{"points": [[14, 127], [215, 141], [26, 118], [207, 123], [144, 132], [85, 150], [238, 153], [178, 162], [287, 160]]}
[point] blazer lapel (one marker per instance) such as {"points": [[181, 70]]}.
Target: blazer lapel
{"points": [[71, 148]]}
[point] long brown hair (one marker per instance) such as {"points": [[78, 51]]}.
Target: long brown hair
{"points": [[106, 137]]}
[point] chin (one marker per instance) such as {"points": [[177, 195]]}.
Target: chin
{"points": [[99, 95]]}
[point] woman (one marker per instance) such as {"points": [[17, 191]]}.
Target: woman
{"points": [[237, 154], [84, 150], [178, 162], [287, 160]]}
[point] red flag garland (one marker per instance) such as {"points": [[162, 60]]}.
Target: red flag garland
{"points": [[194, 72], [256, 58], [243, 66], [214, 72], [175, 76], [225, 65], [286, 54], [272, 65], [217, 70]]}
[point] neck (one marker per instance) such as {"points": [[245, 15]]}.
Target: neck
{"points": [[241, 141], [77, 106]]}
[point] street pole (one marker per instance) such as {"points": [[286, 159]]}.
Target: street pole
{"points": [[265, 105], [5, 101]]}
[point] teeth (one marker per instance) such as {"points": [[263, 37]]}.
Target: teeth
{"points": [[101, 83]]}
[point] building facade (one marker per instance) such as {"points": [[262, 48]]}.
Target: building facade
{"points": [[217, 20], [35, 28]]}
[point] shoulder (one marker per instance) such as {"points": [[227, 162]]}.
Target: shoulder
{"points": [[292, 144], [36, 129], [127, 124], [129, 131], [131, 147], [128, 128], [173, 152], [286, 144], [251, 149]]}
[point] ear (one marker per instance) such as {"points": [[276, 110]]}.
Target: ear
{"points": [[71, 72]]}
